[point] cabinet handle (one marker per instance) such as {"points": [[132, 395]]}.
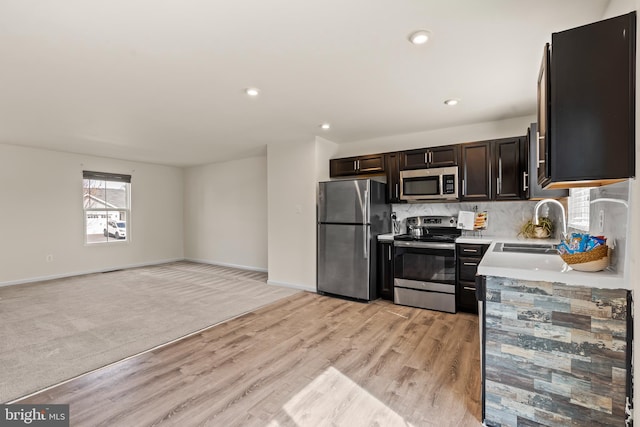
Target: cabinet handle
{"points": [[463, 188], [397, 191], [430, 156], [358, 164], [355, 165], [469, 263], [525, 181], [475, 251], [539, 139], [499, 183], [468, 288], [389, 252], [426, 157]]}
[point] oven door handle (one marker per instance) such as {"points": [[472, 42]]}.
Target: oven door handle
{"points": [[424, 245]]}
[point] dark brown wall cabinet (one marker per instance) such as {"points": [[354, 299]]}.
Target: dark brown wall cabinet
{"points": [[385, 270], [530, 185], [433, 157], [587, 98], [492, 170], [469, 257], [392, 167], [361, 165]]}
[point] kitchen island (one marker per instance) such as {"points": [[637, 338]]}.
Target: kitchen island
{"points": [[556, 342]]}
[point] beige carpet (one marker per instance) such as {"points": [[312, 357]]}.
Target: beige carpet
{"points": [[55, 330]]}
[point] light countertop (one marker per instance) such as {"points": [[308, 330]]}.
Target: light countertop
{"points": [[386, 237], [477, 240], [542, 267], [536, 267]]}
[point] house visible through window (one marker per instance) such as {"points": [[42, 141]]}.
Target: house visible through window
{"points": [[579, 208], [106, 203]]}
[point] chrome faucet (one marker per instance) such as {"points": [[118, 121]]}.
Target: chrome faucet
{"points": [[536, 216]]}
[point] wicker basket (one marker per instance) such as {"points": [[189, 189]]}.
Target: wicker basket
{"points": [[594, 260]]}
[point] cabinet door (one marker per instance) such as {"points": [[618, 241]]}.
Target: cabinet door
{"points": [[385, 270], [393, 177], [370, 164], [530, 185], [467, 300], [343, 167], [542, 137], [467, 268], [475, 174], [507, 165], [414, 159], [443, 156], [592, 127]]}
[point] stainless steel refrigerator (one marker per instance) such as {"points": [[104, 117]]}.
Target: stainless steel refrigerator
{"points": [[351, 214]]}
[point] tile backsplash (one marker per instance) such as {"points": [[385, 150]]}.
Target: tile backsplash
{"points": [[613, 202], [504, 218]]}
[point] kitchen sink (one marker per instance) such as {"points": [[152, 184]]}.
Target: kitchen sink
{"points": [[526, 248]]}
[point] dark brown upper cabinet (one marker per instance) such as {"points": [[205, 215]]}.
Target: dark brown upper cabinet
{"points": [[392, 161], [532, 189], [475, 171], [433, 157], [373, 164], [492, 170], [508, 156], [587, 105]]}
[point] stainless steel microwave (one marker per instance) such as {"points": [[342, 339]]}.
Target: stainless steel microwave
{"points": [[429, 184]]}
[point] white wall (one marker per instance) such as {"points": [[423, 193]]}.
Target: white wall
{"points": [[41, 213], [225, 210], [454, 135], [294, 171]]}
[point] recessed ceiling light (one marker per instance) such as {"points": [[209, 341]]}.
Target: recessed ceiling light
{"points": [[452, 101], [325, 126], [252, 91], [419, 37]]}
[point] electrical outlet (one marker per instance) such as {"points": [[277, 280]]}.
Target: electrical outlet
{"points": [[49, 258], [601, 221]]}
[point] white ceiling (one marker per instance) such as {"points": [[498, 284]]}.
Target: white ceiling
{"points": [[162, 80]]}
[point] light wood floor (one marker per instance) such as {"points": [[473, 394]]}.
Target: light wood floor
{"points": [[306, 360]]}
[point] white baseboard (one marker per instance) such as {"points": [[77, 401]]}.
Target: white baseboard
{"points": [[225, 264], [291, 285], [80, 273], [146, 264]]}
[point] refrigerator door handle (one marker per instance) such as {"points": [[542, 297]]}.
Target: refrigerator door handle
{"points": [[365, 207], [365, 241]]}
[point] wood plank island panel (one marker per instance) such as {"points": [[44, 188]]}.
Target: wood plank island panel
{"points": [[556, 355], [307, 360]]}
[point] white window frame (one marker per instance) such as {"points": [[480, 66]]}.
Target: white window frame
{"points": [[114, 178], [579, 204]]}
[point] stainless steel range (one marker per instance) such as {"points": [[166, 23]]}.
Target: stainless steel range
{"points": [[425, 263]]}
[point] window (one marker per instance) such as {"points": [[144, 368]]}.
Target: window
{"points": [[106, 203], [579, 208]]}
